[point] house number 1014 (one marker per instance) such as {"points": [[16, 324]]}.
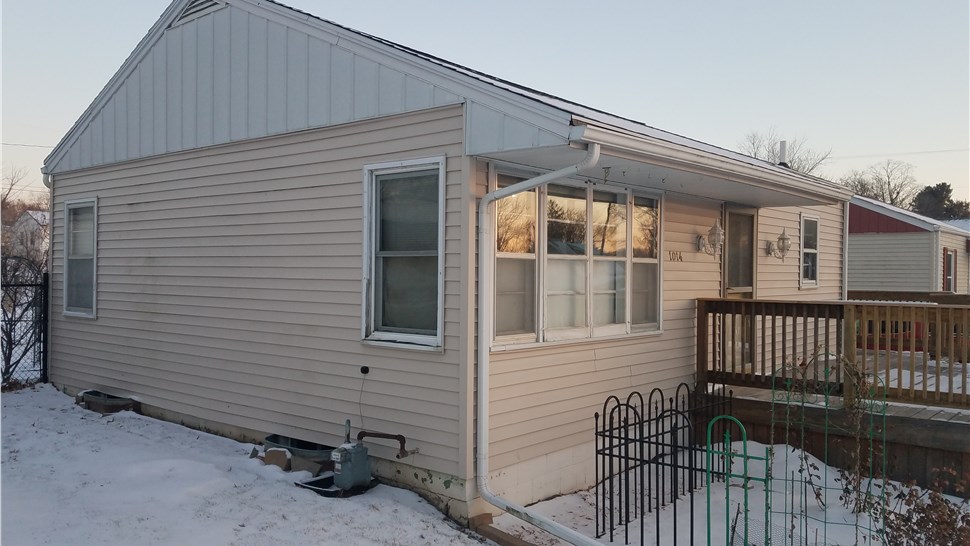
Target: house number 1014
{"points": [[674, 256]]}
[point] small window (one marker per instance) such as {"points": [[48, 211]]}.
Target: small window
{"points": [[809, 251], [80, 252], [949, 269], [403, 272]]}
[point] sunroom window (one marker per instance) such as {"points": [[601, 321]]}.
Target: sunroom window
{"points": [[574, 262]]}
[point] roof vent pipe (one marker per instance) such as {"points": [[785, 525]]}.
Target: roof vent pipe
{"points": [[783, 154]]}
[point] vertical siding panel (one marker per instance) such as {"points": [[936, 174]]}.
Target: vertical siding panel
{"points": [[134, 115], [108, 132], [341, 85], [85, 144], [297, 65], [204, 96], [277, 72], [73, 161], [442, 97], [190, 58], [418, 94], [146, 102], [173, 101], [220, 78], [97, 148], [318, 83], [366, 88], [257, 76], [160, 96], [391, 83], [239, 87], [120, 101]]}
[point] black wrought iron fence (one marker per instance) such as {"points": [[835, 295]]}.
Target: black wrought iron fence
{"points": [[649, 454], [23, 326]]}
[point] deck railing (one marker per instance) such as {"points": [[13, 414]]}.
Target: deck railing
{"points": [[910, 352]]}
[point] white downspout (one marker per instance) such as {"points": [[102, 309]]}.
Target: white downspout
{"points": [[485, 282]]}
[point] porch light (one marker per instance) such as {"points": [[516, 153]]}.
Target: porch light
{"points": [[712, 243], [779, 249]]}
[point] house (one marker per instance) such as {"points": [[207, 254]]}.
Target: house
{"points": [[270, 223], [28, 235], [895, 251]]}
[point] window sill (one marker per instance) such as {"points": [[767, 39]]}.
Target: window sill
{"points": [[78, 314], [807, 286], [406, 345], [505, 345]]}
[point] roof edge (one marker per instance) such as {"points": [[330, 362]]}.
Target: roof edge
{"points": [[681, 155]]}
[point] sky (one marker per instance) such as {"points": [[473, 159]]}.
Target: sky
{"points": [[870, 80]]}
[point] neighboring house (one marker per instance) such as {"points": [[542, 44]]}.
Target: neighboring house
{"points": [[260, 203], [29, 235], [895, 250]]}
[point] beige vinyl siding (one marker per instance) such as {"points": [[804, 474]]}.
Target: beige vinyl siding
{"points": [[543, 399], [777, 279], [903, 262], [958, 243], [229, 288]]}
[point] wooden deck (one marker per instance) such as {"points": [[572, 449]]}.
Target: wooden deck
{"points": [[915, 353]]}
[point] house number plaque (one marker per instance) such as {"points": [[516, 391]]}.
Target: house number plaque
{"points": [[674, 256]]}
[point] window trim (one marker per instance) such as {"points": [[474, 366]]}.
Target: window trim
{"points": [[949, 270], [589, 332], [68, 206], [804, 283], [398, 339]]}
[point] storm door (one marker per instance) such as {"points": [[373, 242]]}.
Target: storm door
{"points": [[739, 282]]}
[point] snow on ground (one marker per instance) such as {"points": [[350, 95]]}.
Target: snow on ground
{"points": [[71, 476], [800, 511]]}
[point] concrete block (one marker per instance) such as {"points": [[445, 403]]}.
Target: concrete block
{"points": [[277, 457]]}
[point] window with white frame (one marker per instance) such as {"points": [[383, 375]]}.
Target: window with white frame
{"points": [[403, 269], [575, 262], [949, 269], [809, 251], [80, 250]]}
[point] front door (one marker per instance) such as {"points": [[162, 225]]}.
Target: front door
{"points": [[739, 240], [739, 281]]}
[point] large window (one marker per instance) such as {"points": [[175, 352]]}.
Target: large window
{"points": [[403, 270], [80, 250], [575, 262], [809, 251]]}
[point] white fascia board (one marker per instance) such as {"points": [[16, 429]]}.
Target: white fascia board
{"points": [[144, 46], [689, 159]]}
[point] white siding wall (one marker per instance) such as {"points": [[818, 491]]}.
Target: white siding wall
{"points": [[958, 243], [779, 280], [248, 71], [229, 288], [904, 262]]}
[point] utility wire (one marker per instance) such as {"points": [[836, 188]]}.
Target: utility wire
{"points": [[901, 153], [25, 145]]}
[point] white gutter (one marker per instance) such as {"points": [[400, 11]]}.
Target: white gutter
{"points": [[679, 157], [485, 276]]}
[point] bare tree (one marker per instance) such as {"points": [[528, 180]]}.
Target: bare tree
{"points": [[21, 307], [891, 181], [28, 239], [799, 156]]}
